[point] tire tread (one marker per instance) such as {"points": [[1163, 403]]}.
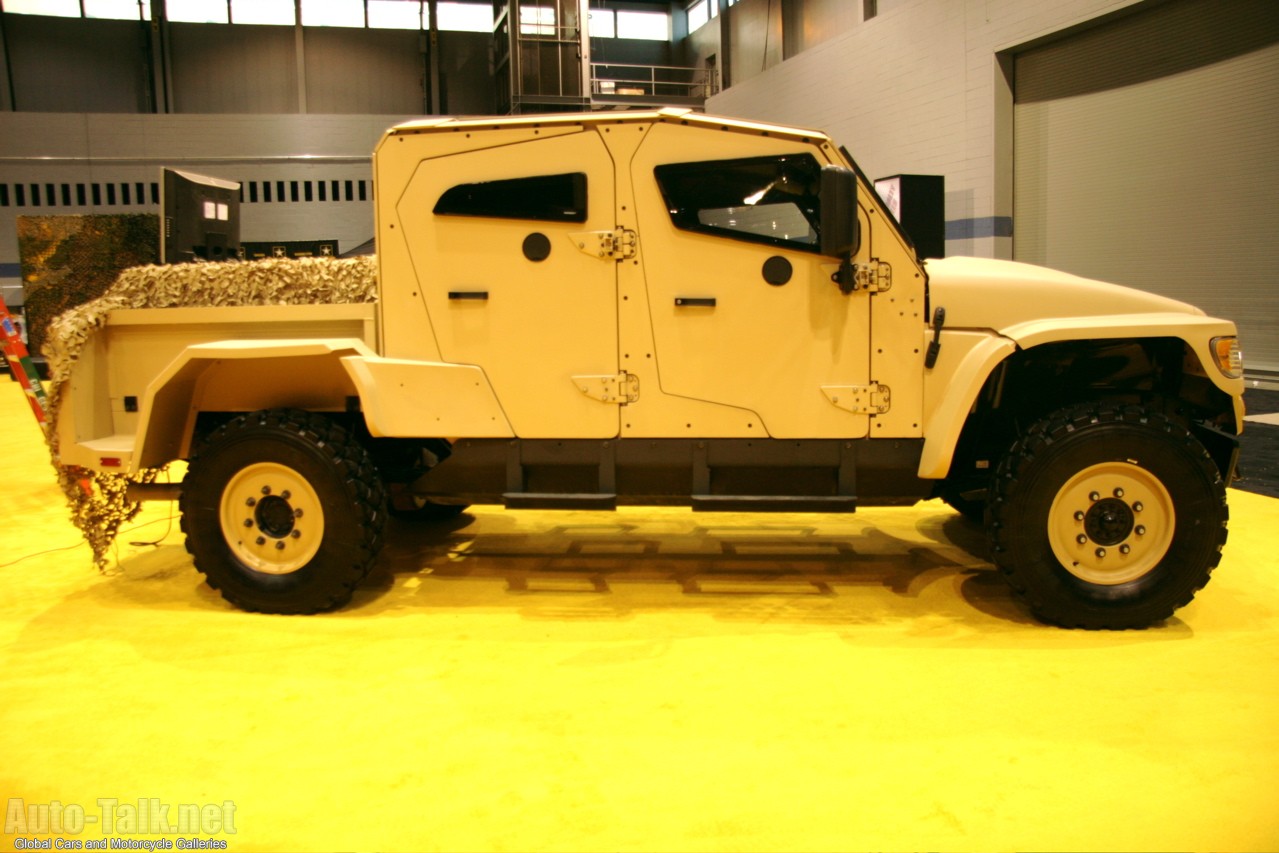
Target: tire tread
{"points": [[360, 478], [1037, 440]]}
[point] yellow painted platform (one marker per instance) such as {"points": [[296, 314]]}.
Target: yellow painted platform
{"points": [[639, 680]]}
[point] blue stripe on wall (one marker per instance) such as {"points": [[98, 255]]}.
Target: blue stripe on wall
{"points": [[981, 226], [10, 270]]}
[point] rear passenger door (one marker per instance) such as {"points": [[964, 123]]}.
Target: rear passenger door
{"points": [[496, 239]]}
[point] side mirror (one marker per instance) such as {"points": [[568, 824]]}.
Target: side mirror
{"points": [[840, 236]]}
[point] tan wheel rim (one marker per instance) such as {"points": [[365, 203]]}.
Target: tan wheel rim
{"points": [[272, 518], [1111, 523]]}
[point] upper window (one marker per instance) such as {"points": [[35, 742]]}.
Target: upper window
{"points": [[278, 12], [700, 13], [124, 10], [331, 13], [465, 17], [537, 21], [763, 199], [396, 14], [59, 8], [197, 11], [650, 26], [547, 198], [602, 24], [451, 15]]}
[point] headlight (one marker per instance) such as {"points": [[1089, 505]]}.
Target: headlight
{"points": [[1229, 359]]}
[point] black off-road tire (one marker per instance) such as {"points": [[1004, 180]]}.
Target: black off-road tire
{"points": [[1107, 517], [283, 512]]}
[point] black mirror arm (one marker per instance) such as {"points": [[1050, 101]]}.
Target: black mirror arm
{"points": [[934, 348], [846, 275]]}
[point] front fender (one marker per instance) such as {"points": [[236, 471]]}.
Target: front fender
{"points": [[1196, 332], [968, 357], [950, 390]]}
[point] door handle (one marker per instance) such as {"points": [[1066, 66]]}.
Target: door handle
{"points": [[481, 295], [694, 301]]}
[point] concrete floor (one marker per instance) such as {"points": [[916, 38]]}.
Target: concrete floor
{"points": [[639, 680]]}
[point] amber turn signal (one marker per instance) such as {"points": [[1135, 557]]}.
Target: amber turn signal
{"points": [[1229, 359]]}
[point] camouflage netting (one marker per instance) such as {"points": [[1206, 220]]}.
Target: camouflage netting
{"points": [[69, 260], [98, 501]]}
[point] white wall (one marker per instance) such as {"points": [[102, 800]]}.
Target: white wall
{"points": [[918, 90]]}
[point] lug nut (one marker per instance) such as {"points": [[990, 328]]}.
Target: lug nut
{"points": [[1079, 516], [1140, 530], [297, 513], [248, 522], [266, 490], [286, 494], [1119, 493], [1125, 548], [261, 540], [1137, 507], [1100, 552], [1094, 496], [251, 502], [1081, 539], [296, 534], [279, 544]]}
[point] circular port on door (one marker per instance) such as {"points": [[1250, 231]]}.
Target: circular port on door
{"points": [[537, 246], [777, 270]]}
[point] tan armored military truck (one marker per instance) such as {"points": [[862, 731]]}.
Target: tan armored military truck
{"points": [[583, 311]]}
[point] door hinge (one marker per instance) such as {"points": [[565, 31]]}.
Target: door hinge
{"points": [[875, 276], [860, 399], [621, 388], [619, 244]]}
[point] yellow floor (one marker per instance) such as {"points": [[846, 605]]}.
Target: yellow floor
{"points": [[639, 680]]}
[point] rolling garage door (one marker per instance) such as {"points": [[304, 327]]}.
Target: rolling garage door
{"points": [[1147, 153]]}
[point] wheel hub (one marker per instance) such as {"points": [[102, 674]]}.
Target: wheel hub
{"points": [[1111, 523], [272, 518]]}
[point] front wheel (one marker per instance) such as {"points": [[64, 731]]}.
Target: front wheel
{"points": [[283, 512], [1107, 517]]}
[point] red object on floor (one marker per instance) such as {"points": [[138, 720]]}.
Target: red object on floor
{"points": [[15, 351]]}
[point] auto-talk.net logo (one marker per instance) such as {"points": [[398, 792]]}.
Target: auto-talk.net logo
{"points": [[46, 826]]}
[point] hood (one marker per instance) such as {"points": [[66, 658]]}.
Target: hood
{"points": [[981, 293]]}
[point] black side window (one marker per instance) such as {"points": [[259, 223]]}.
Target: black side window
{"points": [[762, 199], [547, 198]]}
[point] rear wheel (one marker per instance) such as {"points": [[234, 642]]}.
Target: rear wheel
{"points": [[283, 512], [1107, 517]]}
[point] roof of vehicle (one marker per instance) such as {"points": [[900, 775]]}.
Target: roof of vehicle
{"points": [[667, 114]]}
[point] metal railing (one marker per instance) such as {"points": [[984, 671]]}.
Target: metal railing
{"points": [[626, 81]]}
